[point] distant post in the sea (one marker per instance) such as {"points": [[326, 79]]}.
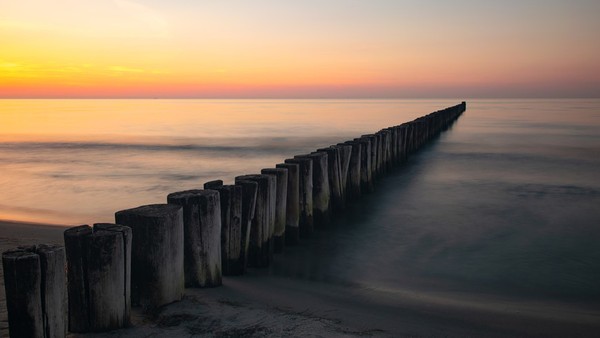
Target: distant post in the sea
{"points": [[36, 296], [157, 276]]}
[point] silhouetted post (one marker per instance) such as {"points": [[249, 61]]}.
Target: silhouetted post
{"points": [[354, 173], [345, 154], [157, 276], [366, 173], [249, 189], [292, 209], [335, 181], [306, 222], [36, 296], [231, 226], [281, 175], [213, 185], [202, 236], [321, 188], [22, 281], [258, 254], [98, 273], [374, 168], [272, 210]]}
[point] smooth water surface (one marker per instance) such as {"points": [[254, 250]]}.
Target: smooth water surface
{"points": [[505, 203]]}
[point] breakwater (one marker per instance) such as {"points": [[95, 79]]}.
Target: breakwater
{"points": [[223, 229]]}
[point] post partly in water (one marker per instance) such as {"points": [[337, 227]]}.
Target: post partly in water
{"points": [[249, 190], [281, 176], [306, 222], [292, 209]]}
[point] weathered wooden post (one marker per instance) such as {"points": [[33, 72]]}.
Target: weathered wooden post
{"points": [[345, 153], [249, 189], [272, 209], [366, 172], [157, 276], [231, 226], [306, 221], [321, 188], [292, 208], [281, 175], [354, 174], [98, 273], [374, 146], [202, 236], [36, 296], [22, 281], [335, 179], [258, 254]]}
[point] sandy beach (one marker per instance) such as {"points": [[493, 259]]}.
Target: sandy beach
{"points": [[262, 303]]}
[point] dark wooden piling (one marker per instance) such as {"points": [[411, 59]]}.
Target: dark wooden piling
{"points": [[281, 175], [366, 173], [231, 226], [202, 236], [23, 285], [353, 182], [98, 274], [306, 222], [335, 179], [54, 289], [292, 209], [345, 154], [258, 253], [249, 189], [321, 189], [157, 275]]}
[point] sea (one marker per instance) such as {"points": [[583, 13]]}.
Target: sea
{"points": [[506, 203]]}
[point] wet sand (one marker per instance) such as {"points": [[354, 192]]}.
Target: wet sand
{"points": [[262, 304]]}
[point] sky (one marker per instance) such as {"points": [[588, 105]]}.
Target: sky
{"points": [[299, 49]]}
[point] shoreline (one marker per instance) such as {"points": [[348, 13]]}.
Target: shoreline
{"points": [[262, 303]]}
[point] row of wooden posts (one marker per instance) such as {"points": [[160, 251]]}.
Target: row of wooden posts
{"points": [[153, 252]]}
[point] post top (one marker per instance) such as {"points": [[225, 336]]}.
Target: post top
{"points": [[151, 210]]}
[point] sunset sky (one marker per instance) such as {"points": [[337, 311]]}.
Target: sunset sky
{"points": [[299, 49]]}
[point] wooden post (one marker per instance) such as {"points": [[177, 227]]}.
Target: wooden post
{"points": [[292, 209], [345, 153], [258, 254], [213, 185], [107, 257], [98, 270], [335, 178], [54, 289], [249, 189], [281, 176], [354, 171], [366, 173], [22, 282], [306, 221], [157, 276], [321, 189], [374, 168], [202, 236], [231, 226]]}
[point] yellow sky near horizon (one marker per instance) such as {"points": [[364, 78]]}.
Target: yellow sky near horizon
{"points": [[266, 48]]}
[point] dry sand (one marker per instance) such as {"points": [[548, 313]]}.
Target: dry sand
{"points": [[259, 304]]}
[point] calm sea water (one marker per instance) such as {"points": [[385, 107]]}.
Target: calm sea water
{"points": [[505, 202]]}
